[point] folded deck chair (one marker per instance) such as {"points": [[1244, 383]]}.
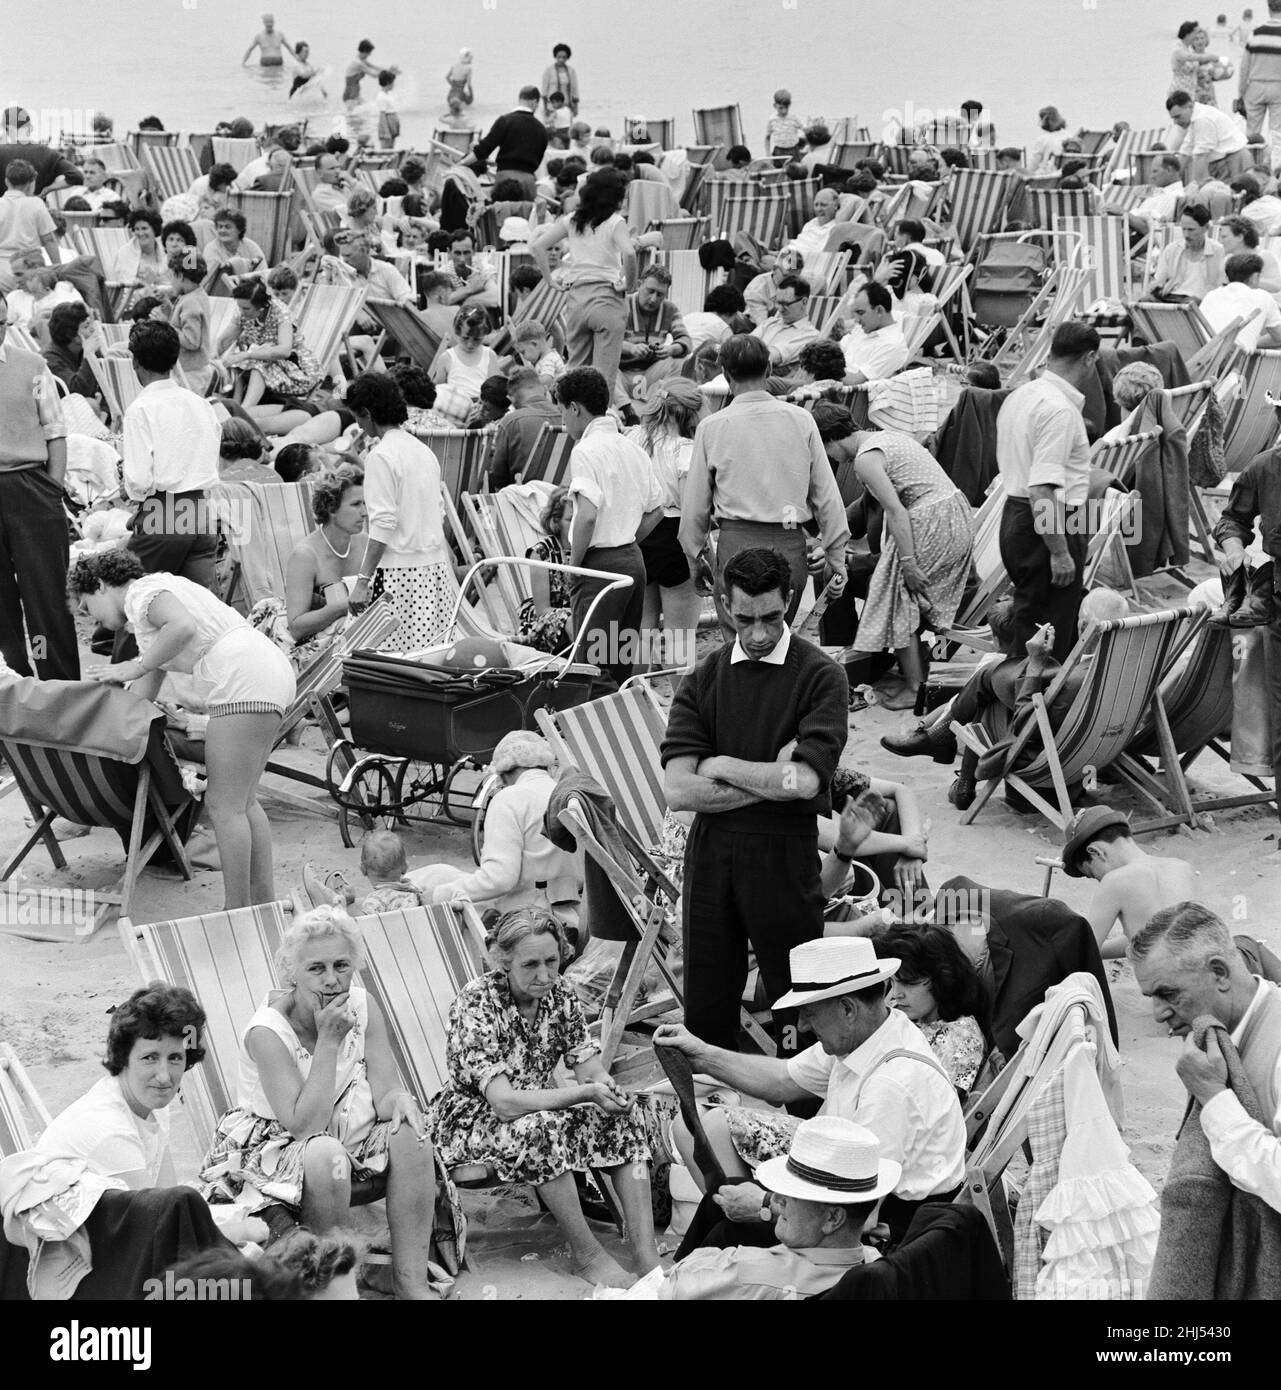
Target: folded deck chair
{"points": [[1129, 656], [96, 755], [118, 382], [173, 167], [462, 455], [1198, 704], [693, 199], [20, 1105], [1252, 423], [616, 740], [1125, 146], [412, 334], [800, 203], [978, 201], [264, 524], [511, 584]]}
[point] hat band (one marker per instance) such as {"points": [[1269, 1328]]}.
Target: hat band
{"points": [[809, 985], [832, 1180]]}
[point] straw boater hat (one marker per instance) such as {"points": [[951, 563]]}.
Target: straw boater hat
{"points": [[831, 1160], [832, 966], [1083, 829]]}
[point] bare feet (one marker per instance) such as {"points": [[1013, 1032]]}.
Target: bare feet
{"points": [[602, 1268]]}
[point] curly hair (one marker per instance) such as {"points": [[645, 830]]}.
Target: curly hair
{"points": [[330, 487], [106, 570], [318, 1260], [240, 440], [156, 1011], [516, 926], [932, 954], [551, 514], [471, 316], [415, 385], [179, 228], [237, 219], [824, 361], [308, 926], [379, 396]]}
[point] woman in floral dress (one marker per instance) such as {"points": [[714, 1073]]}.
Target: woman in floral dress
{"points": [[273, 366], [928, 539], [509, 1030], [544, 616]]}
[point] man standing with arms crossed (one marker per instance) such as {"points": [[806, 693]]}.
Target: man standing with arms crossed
{"points": [[1044, 458]]}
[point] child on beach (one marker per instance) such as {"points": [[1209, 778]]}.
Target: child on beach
{"points": [[559, 120], [388, 118], [384, 863], [534, 348]]}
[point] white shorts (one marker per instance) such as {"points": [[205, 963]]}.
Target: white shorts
{"points": [[245, 673]]}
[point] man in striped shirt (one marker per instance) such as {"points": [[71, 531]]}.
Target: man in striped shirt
{"points": [[1259, 79]]}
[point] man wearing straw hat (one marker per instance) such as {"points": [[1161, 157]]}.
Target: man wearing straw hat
{"points": [[821, 1195], [871, 1065]]}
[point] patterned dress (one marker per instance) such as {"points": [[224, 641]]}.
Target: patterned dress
{"points": [[296, 375], [547, 631], [487, 1038], [942, 541], [959, 1048]]}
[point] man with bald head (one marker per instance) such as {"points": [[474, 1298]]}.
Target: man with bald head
{"points": [[270, 43]]}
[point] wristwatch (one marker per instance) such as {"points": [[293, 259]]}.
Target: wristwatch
{"points": [[844, 858]]}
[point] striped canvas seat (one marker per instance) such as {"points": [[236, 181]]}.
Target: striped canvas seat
{"points": [[412, 334], [1065, 294], [22, 1113], [1180, 324], [847, 153], [1129, 657], [800, 202], [1252, 424], [1104, 248], [142, 140], [1120, 458], [970, 626], [694, 198], [658, 130], [895, 159], [324, 315], [978, 201], [264, 524], [548, 460], [237, 153], [509, 584], [718, 125], [118, 382], [825, 271], [459, 140], [681, 233], [985, 158], [762, 216], [267, 219], [1120, 165], [690, 282], [461, 455], [173, 167], [1190, 403]]}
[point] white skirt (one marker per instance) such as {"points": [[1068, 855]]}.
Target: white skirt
{"points": [[423, 600]]}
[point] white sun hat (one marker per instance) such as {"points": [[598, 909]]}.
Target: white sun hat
{"points": [[832, 966], [831, 1160]]}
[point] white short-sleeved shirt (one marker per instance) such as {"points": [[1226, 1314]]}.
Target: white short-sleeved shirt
{"points": [[1041, 440], [212, 617], [596, 255], [617, 478], [910, 1106], [1235, 300], [115, 1143], [877, 355]]}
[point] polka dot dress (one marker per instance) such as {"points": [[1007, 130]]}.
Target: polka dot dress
{"points": [[423, 600]]}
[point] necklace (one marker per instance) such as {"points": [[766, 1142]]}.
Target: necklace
{"points": [[341, 554]]}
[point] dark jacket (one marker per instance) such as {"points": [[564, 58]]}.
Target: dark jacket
{"points": [[606, 917], [1101, 410], [965, 445], [75, 371]]}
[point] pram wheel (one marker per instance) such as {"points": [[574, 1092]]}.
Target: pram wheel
{"points": [[479, 807], [365, 789]]}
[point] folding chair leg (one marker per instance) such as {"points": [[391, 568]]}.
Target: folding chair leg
{"points": [[41, 831], [168, 830], [133, 865]]}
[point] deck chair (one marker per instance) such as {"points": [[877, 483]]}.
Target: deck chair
{"points": [[693, 197], [825, 272], [951, 283], [970, 626], [264, 523], [738, 207], [615, 740], [1115, 522], [267, 218], [118, 382], [1129, 655], [461, 455], [20, 1104], [1120, 458], [1180, 324], [1127, 144], [412, 334], [325, 315], [123, 165], [548, 460], [1065, 294], [658, 130], [1047, 205], [1252, 425], [1198, 705], [846, 154], [979, 200], [237, 153], [173, 167], [1190, 404], [718, 125], [800, 202], [1104, 248], [512, 589], [690, 282], [120, 775], [681, 233], [105, 245], [459, 140], [1120, 198]]}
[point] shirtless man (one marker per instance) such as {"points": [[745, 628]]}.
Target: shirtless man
{"points": [[270, 44], [1132, 884]]}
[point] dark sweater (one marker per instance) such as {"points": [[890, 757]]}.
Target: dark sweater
{"points": [[749, 711], [520, 139], [1256, 495]]}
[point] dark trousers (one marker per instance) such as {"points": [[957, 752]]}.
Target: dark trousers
{"points": [[789, 541], [35, 540], [988, 686], [612, 642], [1026, 558], [741, 888], [1272, 657], [171, 533]]}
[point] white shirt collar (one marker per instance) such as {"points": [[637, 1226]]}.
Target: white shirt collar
{"points": [[776, 658], [602, 424], [1239, 1031]]}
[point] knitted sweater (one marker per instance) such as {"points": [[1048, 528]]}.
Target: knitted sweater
{"points": [[22, 437], [750, 710]]}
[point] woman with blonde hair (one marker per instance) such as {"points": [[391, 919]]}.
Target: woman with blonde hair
{"points": [[1046, 148], [668, 420], [319, 1105]]}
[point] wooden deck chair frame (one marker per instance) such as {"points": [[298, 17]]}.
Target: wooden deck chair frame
{"points": [[1104, 248], [18, 1096], [412, 333], [694, 195], [1116, 522], [325, 315], [1252, 425], [718, 125], [479, 512], [1131, 655], [548, 460], [1190, 404], [1047, 206], [1067, 291], [1125, 147], [1180, 324], [118, 382]]}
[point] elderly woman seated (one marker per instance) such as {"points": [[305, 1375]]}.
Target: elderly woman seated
{"points": [[320, 1108], [509, 1031], [519, 866], [114, 1141]]}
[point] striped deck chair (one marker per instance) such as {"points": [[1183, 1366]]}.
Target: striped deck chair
{"points": [[324, 315], [970, 627], [1066, 293], [978, 205], [267, 216], [545, 303], [1120, 458], [107, 783], [142, 140], [693, 199], [461, 455], [1252, 424], [118, 382], [509, 582], [1120, 198], [237, 153], [800, 202], [762, 216], [1104, 247], [1094, 142], [460, 141], [1190, 403], [681, 233], [950, 284], [1121, 156], [981, 158], [690, 282], [23, 1115], [264, 523], [1198, 705], [173, 167], [825, 272], [895, 159], [718, 125], [1129, 656], [657, 130], [847, 153], [412, 334], [548, 460], [123, 165], [824, 310], [1180, 324]]}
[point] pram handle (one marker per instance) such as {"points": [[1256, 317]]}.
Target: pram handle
{"points": [[613, 581]]}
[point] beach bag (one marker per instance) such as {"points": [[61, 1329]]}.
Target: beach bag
{"points": [[1006, 281]]}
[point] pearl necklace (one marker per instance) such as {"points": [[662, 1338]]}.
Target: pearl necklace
{"points": [[341, 554]]}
